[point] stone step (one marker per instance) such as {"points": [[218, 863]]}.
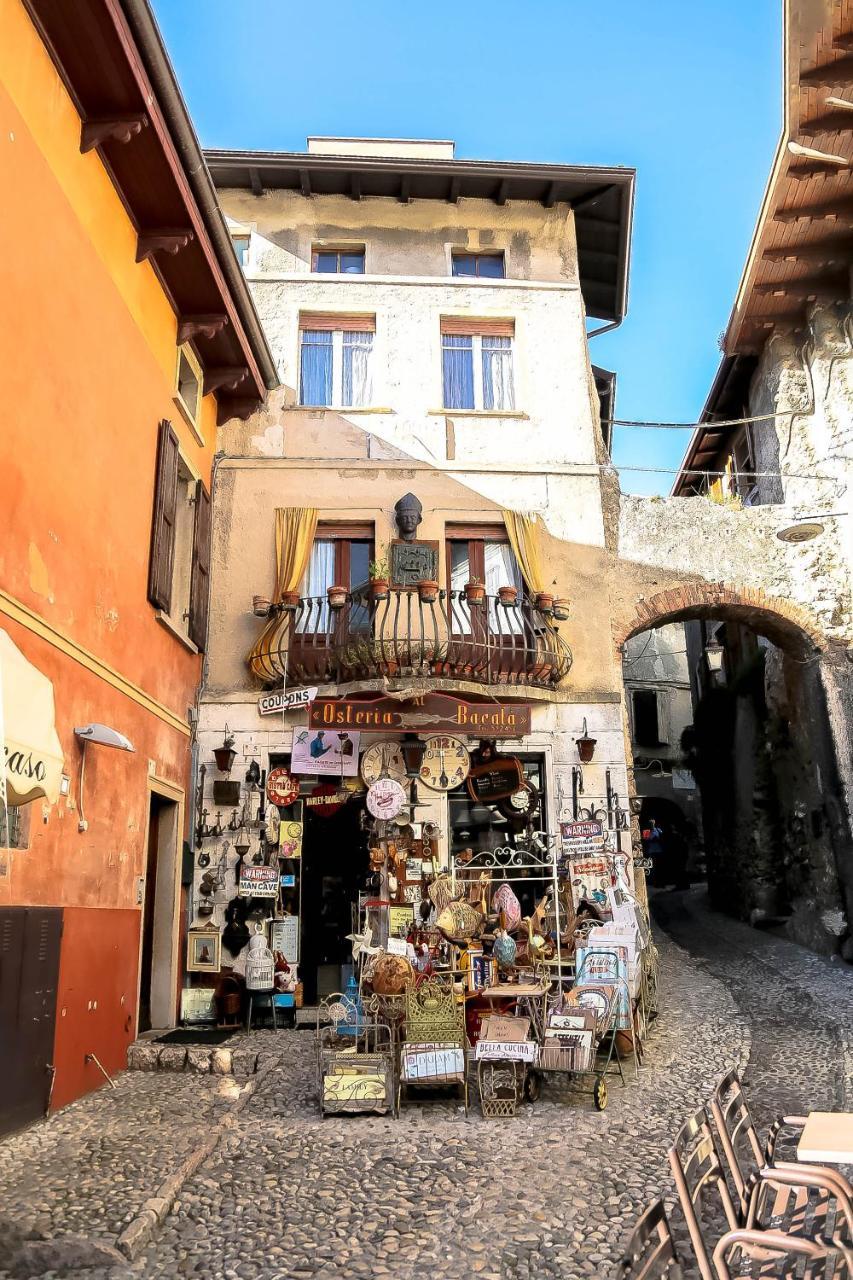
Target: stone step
{"points": [[218, 1060]]}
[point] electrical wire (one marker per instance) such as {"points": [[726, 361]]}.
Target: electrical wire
{"points": [[695, 426]]}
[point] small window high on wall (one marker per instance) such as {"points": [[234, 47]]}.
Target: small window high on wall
{"points": [[477, 364], [336, 360]]}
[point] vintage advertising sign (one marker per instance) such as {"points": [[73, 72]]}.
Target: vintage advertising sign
{"points": [[284, 937], [495, 779], [326, 799], [258, 882], [438, 712], [282, 789], [325, 752], [270, 703], [290, 839], [591, 878], [578, 838]]}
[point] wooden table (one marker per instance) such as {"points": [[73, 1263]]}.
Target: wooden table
{"points": [[827, 1137]]}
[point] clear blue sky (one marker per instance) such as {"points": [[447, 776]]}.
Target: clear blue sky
{"points": [[688, 94]]}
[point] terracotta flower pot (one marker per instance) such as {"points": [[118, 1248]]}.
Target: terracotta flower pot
{"points": [[508, 595], [475, 592], [337, 597], [561, 608], [290, 600], [544, 601], [261, 606], [428, 591], [379, 588]]}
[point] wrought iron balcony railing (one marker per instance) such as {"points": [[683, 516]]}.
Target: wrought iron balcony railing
{"points": [[400, 633]]}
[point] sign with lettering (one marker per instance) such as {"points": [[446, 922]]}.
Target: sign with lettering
{"points": [[282, 788], [258, 882], [413, 562], [324, 752], [285, 701], [284, 937], [495, 779], [433, 712]]}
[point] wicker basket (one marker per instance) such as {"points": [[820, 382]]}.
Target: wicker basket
{"points": [[498, 1108]]}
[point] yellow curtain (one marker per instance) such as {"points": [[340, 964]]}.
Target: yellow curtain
{"points": [[295, 528], [523, 532]]}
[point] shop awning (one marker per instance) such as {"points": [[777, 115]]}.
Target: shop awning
{"points": [[33, 753]]}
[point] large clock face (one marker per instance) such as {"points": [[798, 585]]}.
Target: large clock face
{"points": [[445, 763], [383, 760]]}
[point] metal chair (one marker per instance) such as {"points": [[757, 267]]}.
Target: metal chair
{"points": [[435, 1052], [650, 1252]]}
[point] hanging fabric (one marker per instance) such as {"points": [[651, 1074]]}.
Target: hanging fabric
{"points": [[294, 537], [523, 532]]}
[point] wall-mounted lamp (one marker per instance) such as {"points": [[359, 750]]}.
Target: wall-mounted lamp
{"points": [[225, 755], [586, 745], [714, 655], [413, 753], [102, 736]]}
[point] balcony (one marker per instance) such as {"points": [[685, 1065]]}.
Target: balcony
{"points": [[400, 634]]}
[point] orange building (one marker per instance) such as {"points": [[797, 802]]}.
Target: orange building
{"points": [[128, 333]]}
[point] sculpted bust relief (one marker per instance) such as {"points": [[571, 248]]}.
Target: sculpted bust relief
{"points": [[408, 514]]}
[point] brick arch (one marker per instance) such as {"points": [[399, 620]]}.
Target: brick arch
{"points": [[781, 621]]}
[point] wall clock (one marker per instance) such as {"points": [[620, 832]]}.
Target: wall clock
{"points": [[445, 762], [383, 760]]}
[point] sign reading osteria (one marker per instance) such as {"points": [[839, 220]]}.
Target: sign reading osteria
{"points": [[434, 712]]}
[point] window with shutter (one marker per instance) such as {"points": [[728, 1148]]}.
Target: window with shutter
{"points": [[200, 581], [162, 558]]}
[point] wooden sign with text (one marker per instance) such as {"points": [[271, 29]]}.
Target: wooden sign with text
{"points": [[432, 713]]}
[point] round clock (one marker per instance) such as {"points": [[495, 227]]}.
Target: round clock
{"points": [[385, 798], [383, 760], [445, 762]]}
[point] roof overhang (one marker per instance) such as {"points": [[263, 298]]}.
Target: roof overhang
{"points": [[602, 198], [113, 63]]}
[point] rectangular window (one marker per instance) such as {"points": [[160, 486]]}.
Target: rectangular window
{"points": [[336, 360], [344, 262], [15, 825], [188, 386], [484, 555], [646, 727], [477, 364], [339, 558], [179, 564], [241, 245], [488, 265]]}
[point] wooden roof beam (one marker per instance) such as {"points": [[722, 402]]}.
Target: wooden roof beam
{"points": [[844, 40], [201, 326], [229, 376], [502, 193], [255, 180], [305, 182], [815, 213], [355, 186], [839, 71], [163, 240], [101, 129], [453, 191], [831, 251], [836, 117], [405, 193], [797, 289]]}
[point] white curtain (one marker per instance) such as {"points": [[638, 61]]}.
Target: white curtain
{"points": [[357, 378], [319, 575], [498, 391], [502, 571]]}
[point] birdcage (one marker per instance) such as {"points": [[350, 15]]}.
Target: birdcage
{"points": [[260, 965]]}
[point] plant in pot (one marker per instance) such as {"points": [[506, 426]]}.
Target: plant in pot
{"points": [[428, 591], [586, 745], [561, 608], [475, 592], [438, 664], [289, 600], [544, 601], [337, 597], [379, 579], [508, 595]]}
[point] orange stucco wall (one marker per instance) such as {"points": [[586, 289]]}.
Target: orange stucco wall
{"points": [[89, 351]]}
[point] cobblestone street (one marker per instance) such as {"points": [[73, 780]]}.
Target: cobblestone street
{"points": [[549, 1194]]}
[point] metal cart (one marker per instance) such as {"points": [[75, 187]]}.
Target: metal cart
{"points": [[355, 1058]]}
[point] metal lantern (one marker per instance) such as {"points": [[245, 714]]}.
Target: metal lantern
{"points": [[225, 755], [260, 964]]}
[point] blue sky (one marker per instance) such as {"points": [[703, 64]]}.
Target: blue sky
{"points": [[688, 94]]}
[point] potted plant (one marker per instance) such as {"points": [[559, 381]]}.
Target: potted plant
{"points": [[508, 595], [561, 608], [337, 597], [428, 591], [379, 580], [586, 745], [289, 600], [438, 664], [261, 606], [544, 601], [475, 592]]}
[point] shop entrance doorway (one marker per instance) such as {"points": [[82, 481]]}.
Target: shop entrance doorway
{"points": [[334, 870], [158, 956], [29, 973]]}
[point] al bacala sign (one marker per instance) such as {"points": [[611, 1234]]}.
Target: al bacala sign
{"points": [[270, 703], [431, 713]]}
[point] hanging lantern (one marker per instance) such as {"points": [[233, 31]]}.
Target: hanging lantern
{"points": [[260, 964], [225, 755], [413, 753], [586, 745]]}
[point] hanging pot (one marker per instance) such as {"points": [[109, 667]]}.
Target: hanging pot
{"points": [[560, 608], [289, 600], [544, 601], [428, 591], [337, 597], [508, 595]]}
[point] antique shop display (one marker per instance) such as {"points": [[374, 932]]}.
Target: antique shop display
{"points": [[383, 760]]}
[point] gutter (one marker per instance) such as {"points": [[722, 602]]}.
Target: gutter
{"points": [[161, 73]]}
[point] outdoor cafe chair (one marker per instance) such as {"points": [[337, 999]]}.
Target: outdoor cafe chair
{"points": [[650, 1252]]}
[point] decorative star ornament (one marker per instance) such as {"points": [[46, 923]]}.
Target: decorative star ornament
{"points": [[361, 943]]}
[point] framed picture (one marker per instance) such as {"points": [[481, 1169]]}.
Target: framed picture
{"points": [[198, 1004], [204, 949]]}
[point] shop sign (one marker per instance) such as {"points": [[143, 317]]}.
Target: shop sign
{"points": [[326, 752], [289, 701], [284, 937], [326, 799], [385, 798], [504, 1050], [496, 779], [258, 882], [282, 789], [578, 838], [430, 713]]}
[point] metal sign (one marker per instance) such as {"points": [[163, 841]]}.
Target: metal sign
{"points": [[282, 787], [285, 701], [439, 712], [258, 882]]}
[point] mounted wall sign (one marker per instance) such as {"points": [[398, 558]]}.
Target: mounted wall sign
{"points": [[385, 798], [282, 787], [436, 712], [258, 882], [325, 752], [326, 799], [413, 562], [496, 779], [290, 839], [289, 701]]}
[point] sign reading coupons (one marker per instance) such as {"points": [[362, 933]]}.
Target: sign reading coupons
{"points": [[270, 703], [258, 882]]}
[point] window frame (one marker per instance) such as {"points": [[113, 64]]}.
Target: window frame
{"points": [[343, 535], [177, 482], [340, 250], [191, 415], [477, 330], [478, 256], [346, 324], [243, 258]]}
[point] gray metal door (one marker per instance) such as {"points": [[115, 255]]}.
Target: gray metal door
{"points": [[29, 971]]}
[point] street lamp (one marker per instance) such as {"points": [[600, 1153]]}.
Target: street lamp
{"points": [[714, 654]]}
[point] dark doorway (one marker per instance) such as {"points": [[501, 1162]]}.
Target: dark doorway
{"points": [[29, 974], [156, 980], [334, 868]]}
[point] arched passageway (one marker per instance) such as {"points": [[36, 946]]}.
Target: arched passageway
{"points": [[743, 706]]}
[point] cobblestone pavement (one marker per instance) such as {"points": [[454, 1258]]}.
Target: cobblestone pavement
{"points": [[548, 1194]]}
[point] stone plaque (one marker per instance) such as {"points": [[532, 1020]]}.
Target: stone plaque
{"points": [[413, 562]]}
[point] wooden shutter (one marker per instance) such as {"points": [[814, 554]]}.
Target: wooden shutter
{"points": [[200, 580], [163, 523], [333, 320], [486, 328]]}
